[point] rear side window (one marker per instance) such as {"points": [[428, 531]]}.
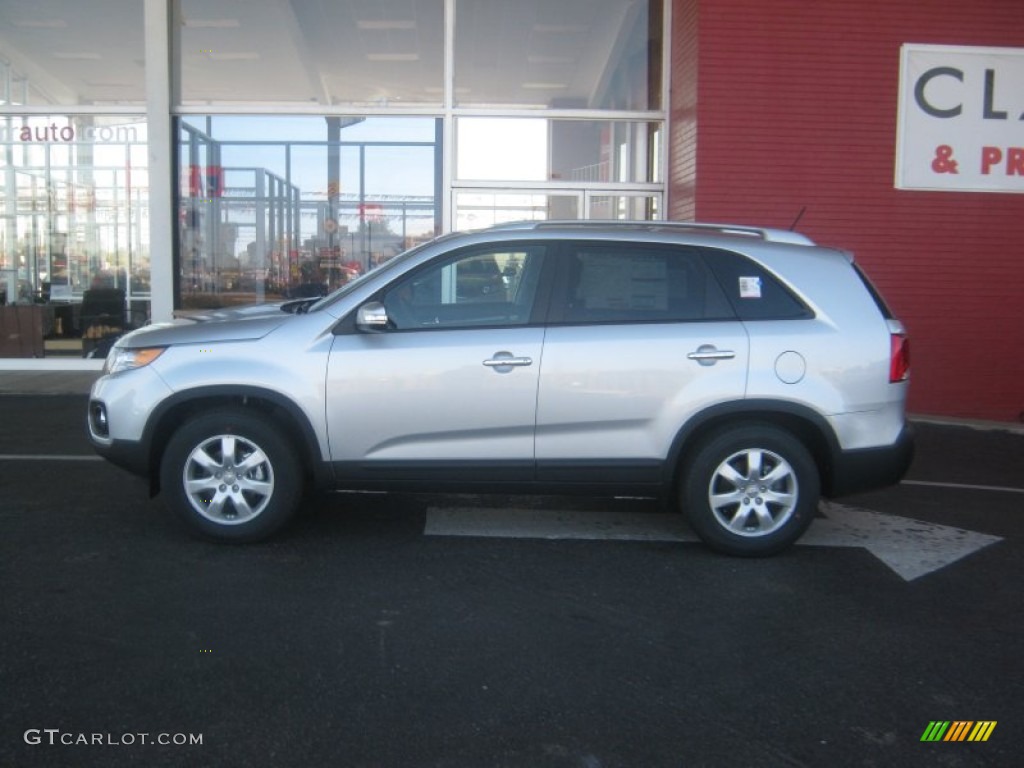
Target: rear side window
{"points": [[629, 283], [753, 291]]}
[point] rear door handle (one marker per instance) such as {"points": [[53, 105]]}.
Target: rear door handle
{"points": [[502, 362], [709, 354]]}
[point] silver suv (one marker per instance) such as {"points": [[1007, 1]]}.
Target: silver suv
{"points": [[740, 372]]}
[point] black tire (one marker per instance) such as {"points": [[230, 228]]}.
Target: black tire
{"points": [[202, 486], [750, 490]]}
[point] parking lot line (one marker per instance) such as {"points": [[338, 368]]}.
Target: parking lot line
{"points": [[967, 486], [48, 457]]}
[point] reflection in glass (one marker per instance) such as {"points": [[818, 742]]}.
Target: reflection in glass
{"points": [[364, 52], [483, 208], [266, 218], [623, 207], [570, 54], [75, 197], [72, 53], [482, 288]]}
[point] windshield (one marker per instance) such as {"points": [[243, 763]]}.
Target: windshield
{"points": [[351, 285]]}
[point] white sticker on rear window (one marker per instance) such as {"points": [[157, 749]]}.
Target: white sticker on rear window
{"points": [[750, 287]]}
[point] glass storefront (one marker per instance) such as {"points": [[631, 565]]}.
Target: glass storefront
{"points": [[479, 208], [569, 54], [313, 141], [74, 201], [364, 53], [577, 151], [279, 207], [72, 54]]}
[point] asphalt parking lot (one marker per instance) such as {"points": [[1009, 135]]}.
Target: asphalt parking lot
{"points": [[458, 631]]}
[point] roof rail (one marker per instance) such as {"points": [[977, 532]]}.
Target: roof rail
{"points": [[767, 234]]}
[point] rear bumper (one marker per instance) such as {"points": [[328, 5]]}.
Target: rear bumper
{"points": [[866, 469]]}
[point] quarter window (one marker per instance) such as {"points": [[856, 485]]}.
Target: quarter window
{"points": [[754, 292]]}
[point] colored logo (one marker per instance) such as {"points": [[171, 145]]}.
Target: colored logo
{"points": [[958, 730]]}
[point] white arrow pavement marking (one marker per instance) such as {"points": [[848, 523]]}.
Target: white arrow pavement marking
{"points": [[556, 524], [912, 548], [909, 547]]}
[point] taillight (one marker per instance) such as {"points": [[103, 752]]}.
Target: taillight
{"points": [[899, 357]]}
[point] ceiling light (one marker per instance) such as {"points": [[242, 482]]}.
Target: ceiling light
{"points": [[544, 86], [536, 59], [41, 24], [393, 56], [212, 23], [559, 29], [239, 56], [386, 24]]}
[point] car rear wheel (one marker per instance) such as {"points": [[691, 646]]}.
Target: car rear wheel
{"points": [[231, 476], [751, 490]]}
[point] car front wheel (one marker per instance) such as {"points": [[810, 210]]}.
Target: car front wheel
{"points": [[231, 476], [751, 490]]}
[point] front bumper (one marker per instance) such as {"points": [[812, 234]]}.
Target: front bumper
{"points": [[126, 454]]}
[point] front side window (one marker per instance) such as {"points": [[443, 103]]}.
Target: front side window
{"points": [[628, 283], [490, 287]]}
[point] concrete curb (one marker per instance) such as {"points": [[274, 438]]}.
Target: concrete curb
{"points": [[978, 424]]}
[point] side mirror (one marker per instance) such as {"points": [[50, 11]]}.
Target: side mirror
{"points": [[372, 317]]}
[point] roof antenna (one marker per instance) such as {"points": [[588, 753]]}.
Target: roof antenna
{"points": [[797, 219]]}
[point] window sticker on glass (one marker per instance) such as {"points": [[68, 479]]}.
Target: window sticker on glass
{"points": [[610, 281], [750, 287]]}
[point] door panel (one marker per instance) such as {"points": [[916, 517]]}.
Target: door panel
{"points": [[434, 395], [641, 339], [622, 391], [453, 381]]}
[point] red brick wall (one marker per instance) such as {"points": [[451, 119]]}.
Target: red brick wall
{"points": [[796, 108], [683, 112]]}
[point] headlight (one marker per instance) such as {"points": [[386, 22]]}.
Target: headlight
{"points": [[121, 359]]}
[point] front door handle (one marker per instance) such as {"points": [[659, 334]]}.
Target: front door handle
{"points": [[709, 354], [502, 362]]}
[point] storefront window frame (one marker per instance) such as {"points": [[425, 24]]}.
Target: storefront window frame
{"points": [[88, 219], [450, 112], [163, 99]]}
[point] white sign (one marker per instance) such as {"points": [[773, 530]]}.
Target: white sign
{"points": [[960, 126]]}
